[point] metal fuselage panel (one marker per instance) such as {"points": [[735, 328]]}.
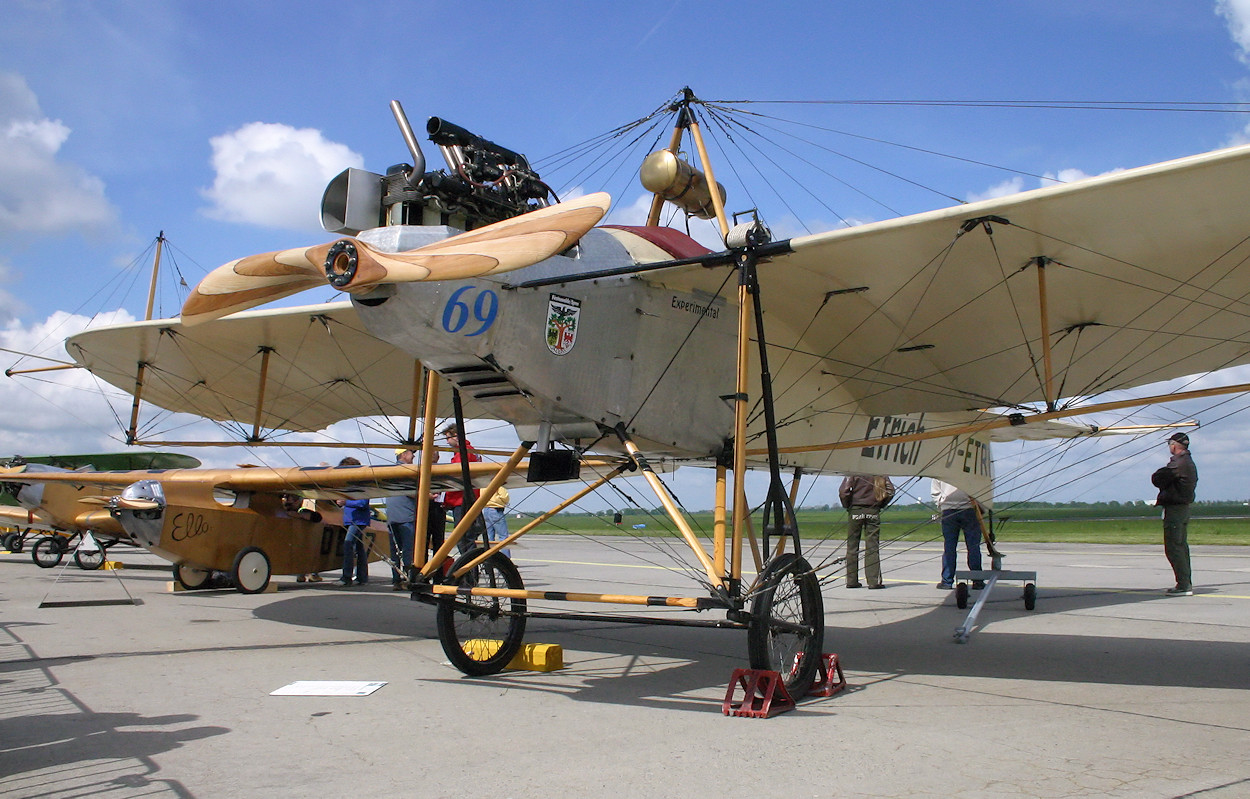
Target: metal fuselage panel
{"points": [[578, 355]]}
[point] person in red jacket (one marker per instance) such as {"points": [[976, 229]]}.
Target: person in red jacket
{"points": [[455, 499]]}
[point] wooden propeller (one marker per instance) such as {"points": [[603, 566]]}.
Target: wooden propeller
{"points": [[353, 266]]}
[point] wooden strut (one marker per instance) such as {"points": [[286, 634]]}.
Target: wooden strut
{"points": [[132, 433], [715, 571], [260, 391], [1015, 420], [564, 596], [741, 408], [1048, 386], [427, 467], [470, 516], [718, 205], [512, 537], [156, 268]]}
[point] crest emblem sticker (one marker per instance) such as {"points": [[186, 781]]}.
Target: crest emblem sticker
{"points": [[562, 317]]}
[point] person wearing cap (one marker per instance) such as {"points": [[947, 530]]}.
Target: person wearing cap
{"points": [[1177, 483], [401, 521], [455, 499]]}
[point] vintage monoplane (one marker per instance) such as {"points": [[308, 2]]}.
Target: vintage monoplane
{"points": [[65, 514], [896, 347]]}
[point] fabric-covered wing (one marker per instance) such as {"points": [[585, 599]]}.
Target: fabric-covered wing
{"points": [[322, 367], [1145, 279], [318, 482]]}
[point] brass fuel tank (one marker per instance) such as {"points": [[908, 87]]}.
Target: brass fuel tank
{"points": [[665, 174]]}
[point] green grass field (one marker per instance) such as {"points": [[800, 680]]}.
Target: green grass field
{"points": [[1211, 523]]}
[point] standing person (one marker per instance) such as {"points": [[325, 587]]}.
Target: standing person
{"points": [[296, 508], [355, 519], [497, 518], [401, 522], [864, 497], [958, 512], [455, 499], [1177, 483]]}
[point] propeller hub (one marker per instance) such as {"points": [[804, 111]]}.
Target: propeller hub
{"points": [[341, 263]]}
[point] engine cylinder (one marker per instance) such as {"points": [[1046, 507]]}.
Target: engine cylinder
{"points": [[665, 174]]}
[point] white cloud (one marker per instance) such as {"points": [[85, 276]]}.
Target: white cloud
{"points": [[1016, 185], [274, 175], [53, 412], [1237, 15], [39, 193], [1011, 186]]}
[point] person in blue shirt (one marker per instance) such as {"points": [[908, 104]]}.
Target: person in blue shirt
{"points": [[356, 519]]}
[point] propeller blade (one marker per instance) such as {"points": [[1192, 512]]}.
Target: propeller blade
{"points": [[354, 266], [255, 280]]}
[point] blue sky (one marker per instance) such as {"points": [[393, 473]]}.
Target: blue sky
{"points": [[220, 123]]}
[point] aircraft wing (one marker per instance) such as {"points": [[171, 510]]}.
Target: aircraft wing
{"points": [[111, 460], [1145, 279], [314, 482], [306, 367]]}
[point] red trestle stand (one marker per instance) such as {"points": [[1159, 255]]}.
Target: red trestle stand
{"points": [[765, 694], [829, 679]]}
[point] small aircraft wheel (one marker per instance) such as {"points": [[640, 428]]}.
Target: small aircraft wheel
{"points": [[1030, 596], [47, 551], [190, 577], [481, 634], [961, 595], [89, 560], [251, 570], [787, 627], [6, 541]]}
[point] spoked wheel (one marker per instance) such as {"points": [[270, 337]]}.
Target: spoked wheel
{"points": [[787, 627], [48, 551], [190, 577], [89, 560], [481, 634], [251, 570]]}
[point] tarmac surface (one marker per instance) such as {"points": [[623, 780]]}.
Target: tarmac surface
{"points": [[1107, 688]]}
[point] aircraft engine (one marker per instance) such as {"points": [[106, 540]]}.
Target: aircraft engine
{"points": [[141, 511], [665, 174]]}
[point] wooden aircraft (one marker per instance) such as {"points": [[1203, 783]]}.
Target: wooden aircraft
{"points": [[64, 512], [895, 347]]}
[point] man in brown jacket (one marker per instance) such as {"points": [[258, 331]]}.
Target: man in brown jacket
{"points": [[864, 496]]}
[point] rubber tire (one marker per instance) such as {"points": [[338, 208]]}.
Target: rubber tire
{"points": [[6, 541], [17, 542], [90, 561], [961, 596], [471, 618], [191, 578], [251, 570], [786, 580], [1030, 596], [47, 552]]}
